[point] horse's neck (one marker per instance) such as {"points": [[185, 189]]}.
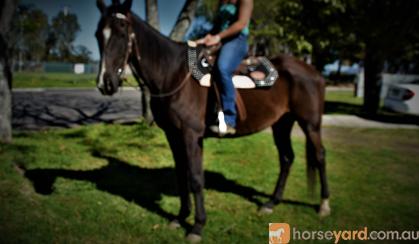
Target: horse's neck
{"points": [[162, 61]]}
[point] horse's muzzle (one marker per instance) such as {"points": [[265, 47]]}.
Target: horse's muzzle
{"points": [[109, 84]]}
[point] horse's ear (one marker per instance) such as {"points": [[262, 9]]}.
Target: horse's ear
{"points": [[101, 5], [126, 6]]}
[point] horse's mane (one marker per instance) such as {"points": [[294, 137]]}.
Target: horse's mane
{"points": [[159, 53]]}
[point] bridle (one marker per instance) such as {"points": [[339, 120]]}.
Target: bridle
{"points": [[133, 44]]}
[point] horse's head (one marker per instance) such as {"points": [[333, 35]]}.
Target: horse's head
{"points": [[115, 37]]}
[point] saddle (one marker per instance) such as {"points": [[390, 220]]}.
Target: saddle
{"points": [[253, 72]]}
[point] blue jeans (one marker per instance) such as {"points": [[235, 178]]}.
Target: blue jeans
{"points": [[233, 51]]}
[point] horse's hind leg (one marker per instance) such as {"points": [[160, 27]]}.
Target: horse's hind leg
{"points": [[316, 160], [282, 136]]}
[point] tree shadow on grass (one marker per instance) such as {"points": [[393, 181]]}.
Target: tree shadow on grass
{"points": [[342, 108], [144, 186], [386, 116], [382, 115]]}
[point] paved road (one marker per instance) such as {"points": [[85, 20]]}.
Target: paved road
{"points": [[355, 121], [46, 108]]}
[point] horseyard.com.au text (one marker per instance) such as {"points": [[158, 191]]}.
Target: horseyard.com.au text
{"points": [[282, 233]]}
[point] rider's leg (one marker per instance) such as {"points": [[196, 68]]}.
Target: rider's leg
{"points": [[230, 57]]}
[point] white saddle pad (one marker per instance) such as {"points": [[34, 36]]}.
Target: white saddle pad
{"points": [[239, 81]]}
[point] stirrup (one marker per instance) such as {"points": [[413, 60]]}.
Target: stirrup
{"points": [[222, 128]]}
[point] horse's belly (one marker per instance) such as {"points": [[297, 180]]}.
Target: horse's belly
{"points": [[262, 109]]}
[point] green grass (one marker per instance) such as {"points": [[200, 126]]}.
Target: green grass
{"points": [[115, 184], [48, 80], [58, 80], [343, 96], [344, 102]]}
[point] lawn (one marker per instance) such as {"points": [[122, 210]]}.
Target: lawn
{"points": [[115, 184], [58, 80], [344, 102]]}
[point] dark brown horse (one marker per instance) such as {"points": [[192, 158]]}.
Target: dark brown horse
{"points": [[179, 104]]}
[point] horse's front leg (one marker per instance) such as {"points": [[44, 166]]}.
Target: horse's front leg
{"points": [[193, 147], [179, 155], [145, 102]]}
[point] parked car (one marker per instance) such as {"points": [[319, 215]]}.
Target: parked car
{"points": [[403, 98]]}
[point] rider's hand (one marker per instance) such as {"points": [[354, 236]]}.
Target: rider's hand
{"points": [[209, 40], [202, 40], [213, 40]]}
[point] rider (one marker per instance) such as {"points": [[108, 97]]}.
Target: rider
{"points": [[231, 28]]}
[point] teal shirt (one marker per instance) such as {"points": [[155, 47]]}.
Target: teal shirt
{"points": [[227, 15]]}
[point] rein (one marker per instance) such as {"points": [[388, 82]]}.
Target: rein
{"points": [[168, 94], [132, 40]]}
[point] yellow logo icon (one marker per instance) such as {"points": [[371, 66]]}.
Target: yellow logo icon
{"points": [[279, 233]]}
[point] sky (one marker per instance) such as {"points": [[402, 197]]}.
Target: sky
{"points": [[88, 16]]}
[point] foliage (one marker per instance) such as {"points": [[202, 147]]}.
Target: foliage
{"points": [[331, 29], [384, 26], [81, 54], [29, 33], [33, 39], [294, 26], [64, 28], [379, 33], [116, 184]]}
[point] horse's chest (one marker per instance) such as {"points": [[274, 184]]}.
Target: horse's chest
{"points": [[179, 115]]}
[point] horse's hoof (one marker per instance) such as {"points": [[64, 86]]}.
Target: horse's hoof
{"points": [[174, 224], [324, 210], [193, 238], [266, 210]]}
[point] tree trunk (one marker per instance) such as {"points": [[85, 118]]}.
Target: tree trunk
{"points": [[319, 58], [5, 109], [374, 64], [184, 20], [152, 13], [7, 8], [339, 70]]}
